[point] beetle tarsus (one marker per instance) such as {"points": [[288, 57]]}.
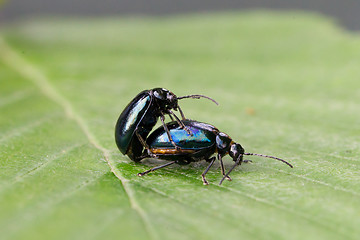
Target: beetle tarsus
{"points": [[188, 131], [205, 182], [149, 154], [211, 160], [181, 124], [176, 146], [152, 155]]}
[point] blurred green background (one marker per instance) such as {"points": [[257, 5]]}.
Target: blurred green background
{"points": [[287, 84]]}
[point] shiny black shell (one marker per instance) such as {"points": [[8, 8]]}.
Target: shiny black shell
{"points": [[137, 115]]}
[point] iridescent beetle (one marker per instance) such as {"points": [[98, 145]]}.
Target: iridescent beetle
{"points": [[141, 115], [205, 141]]}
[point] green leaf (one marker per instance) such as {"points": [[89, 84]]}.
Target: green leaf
{"points": [[288, 86]]}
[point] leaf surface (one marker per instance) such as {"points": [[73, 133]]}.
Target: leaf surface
{"points": [[287, 84]]}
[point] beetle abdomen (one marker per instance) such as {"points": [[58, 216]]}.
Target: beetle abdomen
{"points": [[129, 120], [199, 139], [166, 151]]}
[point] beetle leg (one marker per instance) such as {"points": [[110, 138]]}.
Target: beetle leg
{"points": [[181, 113], [168, 133], [207, 169], [142, 141], [180, 123], [222, 167], [171, 117], [155, 168], [238, 162]]}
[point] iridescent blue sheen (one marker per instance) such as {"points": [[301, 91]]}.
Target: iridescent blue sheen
{"points": [[200, 138]]}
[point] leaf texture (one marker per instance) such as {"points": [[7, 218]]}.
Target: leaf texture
{"points": [[287, 84]]}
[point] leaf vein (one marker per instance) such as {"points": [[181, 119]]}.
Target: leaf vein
{"points": [[17, 132], [334, 187], [33, 74], [266, 202], [15, 97], [35, 169]]}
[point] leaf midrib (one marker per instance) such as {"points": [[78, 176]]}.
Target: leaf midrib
{"points": [[33, 74]]}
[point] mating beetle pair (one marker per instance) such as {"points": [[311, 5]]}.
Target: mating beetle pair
{"points": [[141, 115], [181, 141]]}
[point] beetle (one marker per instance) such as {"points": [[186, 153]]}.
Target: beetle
{"points": [[141, 115], [205, 141]]}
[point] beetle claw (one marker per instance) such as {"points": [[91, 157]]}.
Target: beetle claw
{"points": [[188, 131], [152, 155], [205, 182], [176, 146]]}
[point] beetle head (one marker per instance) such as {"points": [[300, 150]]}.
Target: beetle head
{"points": [[166, 99], [235, 151]]}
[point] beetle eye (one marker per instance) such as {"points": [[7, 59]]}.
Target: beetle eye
{"points": [[170, 97], [235, 150], [160, 94], [156, 94]]}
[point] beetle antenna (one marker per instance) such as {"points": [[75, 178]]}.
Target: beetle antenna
{"points": [[197, 97], [266, 156], [232, 168]]}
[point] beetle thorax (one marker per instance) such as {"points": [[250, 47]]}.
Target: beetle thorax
{"points": [[165, 99], [223, 142]]}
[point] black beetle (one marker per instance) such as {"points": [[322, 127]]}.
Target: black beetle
{"points": [[140, 116], [204, 141]]}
